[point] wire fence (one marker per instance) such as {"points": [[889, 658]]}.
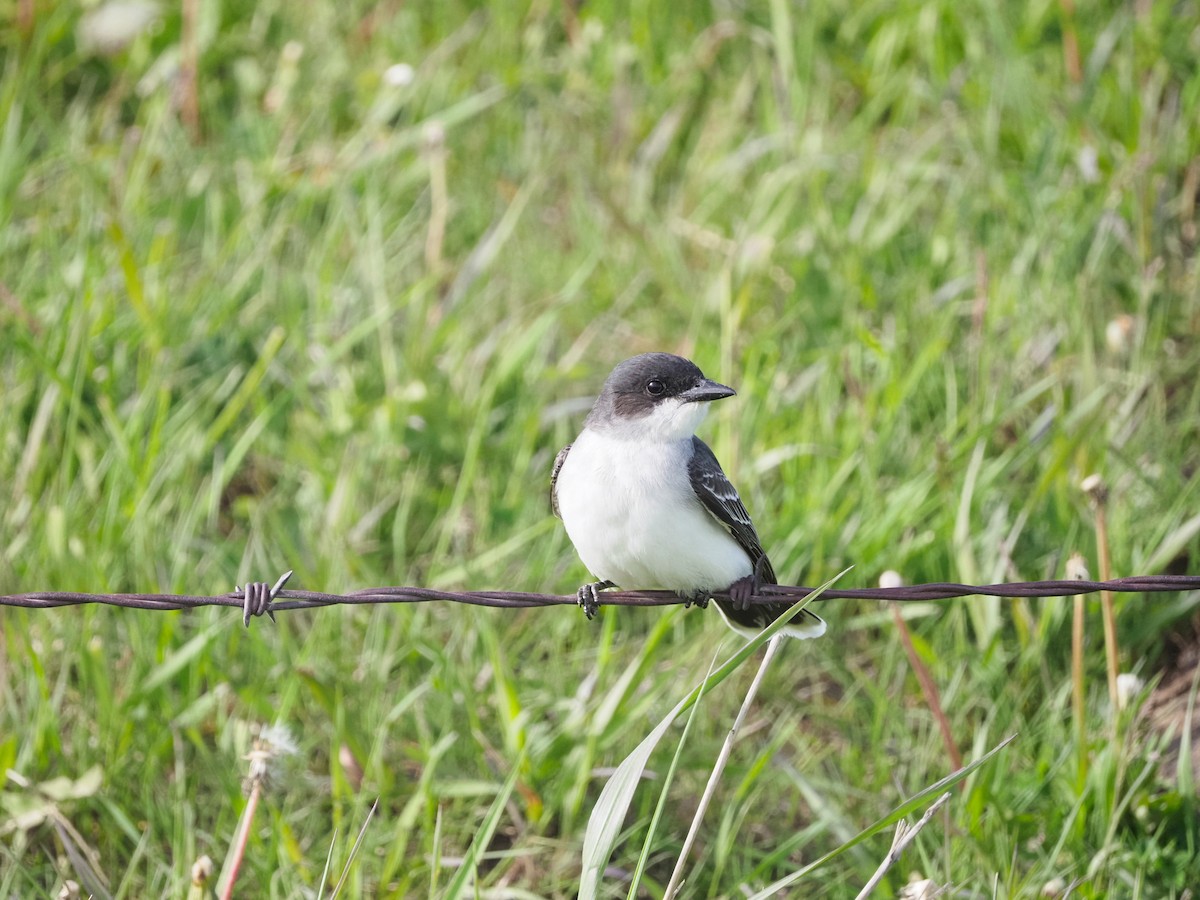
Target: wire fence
{"points": [[258, 598]]}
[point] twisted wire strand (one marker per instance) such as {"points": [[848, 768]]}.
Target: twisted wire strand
{"points": [[258, 598]]}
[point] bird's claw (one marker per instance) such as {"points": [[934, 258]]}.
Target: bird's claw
{"points": [[699, 599], [589, 597], [743, 590]]}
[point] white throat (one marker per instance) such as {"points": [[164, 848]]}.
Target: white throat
{"points": [[670, 421]]}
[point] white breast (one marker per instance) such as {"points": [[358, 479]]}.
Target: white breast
{"points": [[634, 519]]}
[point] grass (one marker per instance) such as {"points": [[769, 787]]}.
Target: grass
{"points": [[900, 230]]}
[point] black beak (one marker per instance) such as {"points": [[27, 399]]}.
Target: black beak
{"points": [[705, 391]]}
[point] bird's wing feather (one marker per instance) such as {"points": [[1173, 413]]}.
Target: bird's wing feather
{"points": [[558, 464], [721, 499]]}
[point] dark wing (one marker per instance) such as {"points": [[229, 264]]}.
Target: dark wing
{"points": [[721, 499], [558, 464]]}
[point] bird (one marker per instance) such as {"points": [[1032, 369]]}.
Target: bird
{"points": [[647, 505]]}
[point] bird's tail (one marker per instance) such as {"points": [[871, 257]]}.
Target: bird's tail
{"points": [[750, 621]]}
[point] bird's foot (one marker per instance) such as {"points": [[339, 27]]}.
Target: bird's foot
{"points": [[697, 598], [742, 590], [589, 597]]}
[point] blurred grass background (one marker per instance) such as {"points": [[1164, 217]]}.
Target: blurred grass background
{"points": [[342, 322]]}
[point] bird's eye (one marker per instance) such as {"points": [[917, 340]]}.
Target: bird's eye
{"points": [[655, 387]]}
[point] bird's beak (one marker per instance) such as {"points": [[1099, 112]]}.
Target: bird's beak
{"points": [[705, 391]]}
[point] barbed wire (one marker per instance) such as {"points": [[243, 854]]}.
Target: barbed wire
{"points": [[259, 598]]}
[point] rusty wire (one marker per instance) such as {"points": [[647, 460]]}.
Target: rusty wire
{"points": [[258, 598]]}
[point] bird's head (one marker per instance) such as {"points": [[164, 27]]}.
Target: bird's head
{"points": [[657, 397]]}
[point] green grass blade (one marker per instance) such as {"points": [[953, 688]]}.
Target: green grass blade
{"points": [[934, 790], [483, 837], [648, 843], [608, 815]]}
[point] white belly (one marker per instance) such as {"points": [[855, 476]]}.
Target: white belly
{"points": [[630, 511]]}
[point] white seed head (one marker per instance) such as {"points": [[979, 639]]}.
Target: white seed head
{"points": [[399, 75], [202, 870], [292, 51], [1095, 488], [920, 889], [1054, 887], [1088, 163], [433, 135], [1128, 687], [1118, 335], [111, 27], [1077, 569]]}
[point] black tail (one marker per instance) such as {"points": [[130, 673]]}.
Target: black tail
{"points": [[757, 616]]}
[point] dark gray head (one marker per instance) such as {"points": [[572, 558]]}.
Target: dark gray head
{"points": [[656, 396]]}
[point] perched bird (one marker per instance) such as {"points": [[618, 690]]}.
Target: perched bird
{"points": [[646, 504]]}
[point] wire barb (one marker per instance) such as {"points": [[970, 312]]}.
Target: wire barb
{"points": [[258, 596]]}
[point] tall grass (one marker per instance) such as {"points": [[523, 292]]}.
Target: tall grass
{"points": [[346, 329]]}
